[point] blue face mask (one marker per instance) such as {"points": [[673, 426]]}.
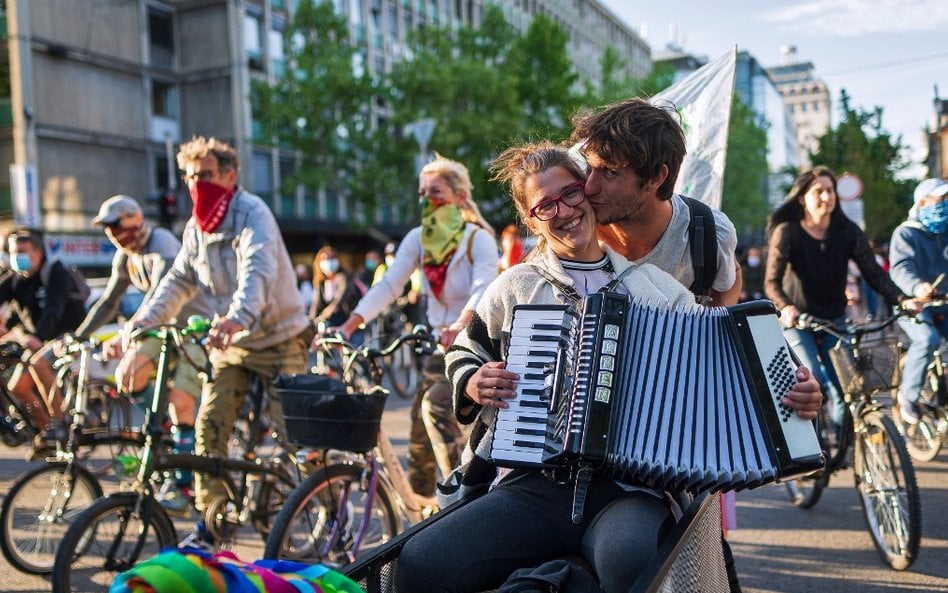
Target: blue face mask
{"points": [[21, 263], [934, 217]]}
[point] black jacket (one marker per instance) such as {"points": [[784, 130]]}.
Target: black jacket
{"points": [[46, 312]]}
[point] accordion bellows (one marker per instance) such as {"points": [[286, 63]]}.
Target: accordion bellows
{"points": [[681, 400]]}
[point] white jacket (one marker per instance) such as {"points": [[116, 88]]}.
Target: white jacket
{"points": [[466, 279]]}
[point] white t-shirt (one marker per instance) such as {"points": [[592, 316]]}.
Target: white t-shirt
{"points": [[673, 255]]}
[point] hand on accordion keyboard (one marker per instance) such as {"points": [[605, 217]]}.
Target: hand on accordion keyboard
{"points": [[491, 384], [804, 396]]}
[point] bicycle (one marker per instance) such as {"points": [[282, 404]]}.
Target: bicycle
{"points": [[115, 532], [925, 438], [884, 475], [43, 501], [350, 507], [404, 367]]}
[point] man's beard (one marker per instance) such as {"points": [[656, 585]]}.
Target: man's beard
{"points": [[631, 212]]}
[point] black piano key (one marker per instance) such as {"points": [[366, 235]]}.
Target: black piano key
{"points": [[546, 353], [530, 432], [528, 444], [532, 404]]}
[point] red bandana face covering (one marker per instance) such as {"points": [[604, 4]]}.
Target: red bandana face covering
{"points": [[210, 204]]}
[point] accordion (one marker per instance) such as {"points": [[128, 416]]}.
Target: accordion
{"points": [[679, 400]]}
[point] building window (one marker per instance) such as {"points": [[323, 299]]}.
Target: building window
{"points": [[277, 57], [263, 178], [287, 187], [161, 38], [253, 40], [803, 107], [164, 99]]}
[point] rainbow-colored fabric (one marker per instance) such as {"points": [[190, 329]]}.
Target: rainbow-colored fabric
{"points": [[189, 570]]}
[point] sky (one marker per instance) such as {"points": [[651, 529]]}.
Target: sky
{"points": [[886, 53]]}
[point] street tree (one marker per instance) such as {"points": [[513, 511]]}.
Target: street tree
{"points": [[460, 78], [545, 79], [322, 111], [860, 145], [744, 196]]}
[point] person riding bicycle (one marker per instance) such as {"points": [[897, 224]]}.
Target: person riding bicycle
{"points": [[526, 518], [457, 252], [918, 255], [232, 254], [45, 303], [143, 254], [811, 243]]}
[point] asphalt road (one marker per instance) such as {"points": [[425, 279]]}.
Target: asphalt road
{"points": [[778, 548]]}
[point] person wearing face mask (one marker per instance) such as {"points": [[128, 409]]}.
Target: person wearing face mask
{"points": [[233, 254], [918, 256], [336, 292], [143, 254], [44, 304], [811, 243], [752, 275], [456, 251]]}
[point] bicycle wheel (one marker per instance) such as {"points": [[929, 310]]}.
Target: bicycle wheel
{"points": [[108, 427], [107, 538], [402, 372], [805, 491], [885, 480], [924, 439], [38, 510], [326, 513]]}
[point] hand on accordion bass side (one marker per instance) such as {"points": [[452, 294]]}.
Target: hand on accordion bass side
{"points": [[491, 384], [804, 396]]}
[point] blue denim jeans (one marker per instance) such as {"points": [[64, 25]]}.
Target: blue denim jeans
{"points": [[813, 350], [925, 338]]}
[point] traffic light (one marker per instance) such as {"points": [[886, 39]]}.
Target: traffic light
{"points": [[167, 209]]}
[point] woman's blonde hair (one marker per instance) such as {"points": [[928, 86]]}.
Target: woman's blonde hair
{"points": [[459, 180], [318, 276]]}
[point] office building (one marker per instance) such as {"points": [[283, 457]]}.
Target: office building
{"points": [[101, 92], [807, 99]]}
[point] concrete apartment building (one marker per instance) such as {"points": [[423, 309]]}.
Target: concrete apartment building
{"points": [[102, 91], [937, 134], [807, 99]]}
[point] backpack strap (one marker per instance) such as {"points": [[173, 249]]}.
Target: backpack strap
{"points": [[470, 245], [703, 243]]}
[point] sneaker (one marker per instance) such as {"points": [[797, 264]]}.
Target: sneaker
{"points": [[176, 500], [910, 412], [200, 538]]}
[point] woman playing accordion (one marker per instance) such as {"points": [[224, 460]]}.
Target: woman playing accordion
{"points": [[526, 519]]}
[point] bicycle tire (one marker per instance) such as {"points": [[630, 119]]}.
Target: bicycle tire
{"points": [[107, 412], [37, 511], [888, 492], [303, 528], [402, 373], [924, 439], [805, 491], [85, 560]]}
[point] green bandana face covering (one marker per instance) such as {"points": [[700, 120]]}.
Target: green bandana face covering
{"points": [[441, 230]]}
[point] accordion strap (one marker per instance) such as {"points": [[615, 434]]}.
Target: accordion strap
{"points": [[568, 292]]}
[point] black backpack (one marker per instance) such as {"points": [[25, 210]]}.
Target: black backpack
{"points": [[703, 242], [78, 287]]}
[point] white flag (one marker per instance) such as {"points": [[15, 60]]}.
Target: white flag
{"points": [[703, 98]]}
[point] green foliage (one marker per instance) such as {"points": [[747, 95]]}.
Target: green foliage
{"points": [[859, 145], [319, 109], [744, 197], [544, 77], [617, 84]]}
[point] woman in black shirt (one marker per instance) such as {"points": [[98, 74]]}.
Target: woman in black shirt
{"points": [[811, 243]]}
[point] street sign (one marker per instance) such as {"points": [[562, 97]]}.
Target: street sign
{"points": [[422, 130], [848, 187], [26, 207]]}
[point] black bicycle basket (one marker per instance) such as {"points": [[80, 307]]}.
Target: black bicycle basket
{"points": [[875, 369], [319, 413]]}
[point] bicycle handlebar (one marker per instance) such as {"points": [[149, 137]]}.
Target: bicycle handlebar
{"points": [[420, 335], [850, 329]]}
